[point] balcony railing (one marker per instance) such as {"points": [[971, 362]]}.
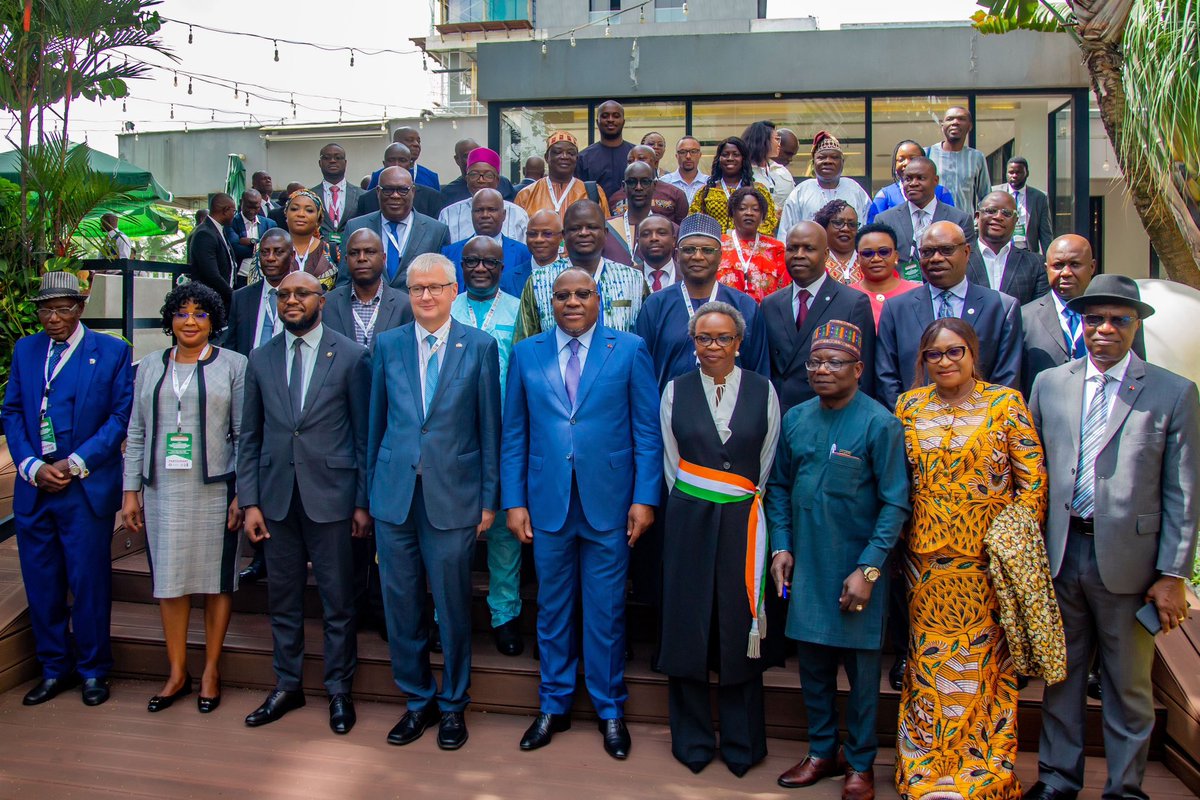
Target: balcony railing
{"points": [[458, 12]]}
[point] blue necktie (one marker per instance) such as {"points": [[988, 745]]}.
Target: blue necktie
{"points": [[393, 252], [1092, 433], [944, 308], [56, 353], [268, 325], [1075, 343], [572, 372], [431, 372]]}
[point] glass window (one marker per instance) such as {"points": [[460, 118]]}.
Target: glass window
{"points": [[664, 118], [1007, 126], [523, 132], [669, 11], [1062, 180], [896, 118]]}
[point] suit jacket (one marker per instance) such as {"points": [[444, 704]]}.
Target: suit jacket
{"points": [[610, 442], [349, 207], [995, 317], [1039, 231], [395, 310], [241, 332], [1024, 274], [426, 200], [277, 216], [456, 444], [103, 399], [516, 264], [210, 260], [324, 451], [790, 348], [235, 230], [901, 221], [1147, 468], [427, 236]]}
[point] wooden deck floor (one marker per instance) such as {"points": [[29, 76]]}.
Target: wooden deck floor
{"points": [[64, 750]]}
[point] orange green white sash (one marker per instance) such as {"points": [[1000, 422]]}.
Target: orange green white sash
{"points": [[715, 486]]}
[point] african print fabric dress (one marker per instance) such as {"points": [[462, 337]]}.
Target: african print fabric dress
{"points": [[957, 734]]}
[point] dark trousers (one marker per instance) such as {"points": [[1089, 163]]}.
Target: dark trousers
{"points": [[368, 595], [409, 555], [818, 680], [743, 724], [296, 540], [64, 547]]}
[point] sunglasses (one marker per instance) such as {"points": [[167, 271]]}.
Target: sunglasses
{"points": [[580, 294], [882, 252], [1096, 320]]}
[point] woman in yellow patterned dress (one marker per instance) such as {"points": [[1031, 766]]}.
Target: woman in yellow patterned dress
{"points": [[973, 451]]}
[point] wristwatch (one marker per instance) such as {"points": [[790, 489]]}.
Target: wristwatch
{"points": [[74, 469], [870, 573]]}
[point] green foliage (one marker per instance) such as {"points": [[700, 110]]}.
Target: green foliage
{"points": [[1002, 16], [17, 315]]}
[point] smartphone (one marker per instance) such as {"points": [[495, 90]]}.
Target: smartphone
{"points": [[1147, 615]]}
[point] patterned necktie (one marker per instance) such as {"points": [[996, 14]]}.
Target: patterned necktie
{"points": [[658, 279], [296, 379], [268, 325], [571, 373], [56, 353], [1092, 433], [944, 308], [431, 372], [802, 312], [1075, 344], [334, 212], [393, 252], [918, 229]]}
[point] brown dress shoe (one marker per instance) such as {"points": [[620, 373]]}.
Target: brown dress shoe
{"points": [[812, 769], [859, 785]]}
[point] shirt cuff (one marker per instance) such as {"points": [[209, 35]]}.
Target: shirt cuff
{"points": [[77, 461], [1172, 575], [29, 469]]}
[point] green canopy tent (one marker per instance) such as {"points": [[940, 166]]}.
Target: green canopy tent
{"points": [[235, 179]]}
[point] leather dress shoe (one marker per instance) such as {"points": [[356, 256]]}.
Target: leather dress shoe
{"points": [[95, 691], [161, 702], [255, 571], [278, 703], [812, 769], [738, 769], [412, 725], [508, 638], [452, 732], [341, 714], [859, 785], [896, 673], [1040, 791], [543, 729], [616, 738], [51, 688]]}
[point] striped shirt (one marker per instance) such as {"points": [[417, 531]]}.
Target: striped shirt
{"points": [[622, 292], [367, 315]]}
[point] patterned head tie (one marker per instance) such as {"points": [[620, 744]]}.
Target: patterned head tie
{"points": [[825, 141]]}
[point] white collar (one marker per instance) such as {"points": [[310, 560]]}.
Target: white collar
{"points": [[959, 289], [668, 270], [220, 228], [813, 288], [1058, 302], [248, 220], [406, 221], [377, 296], [74, 339], [585, 339], [440, 334], [1116, 371], [341, 185], [929, 207], [312, 338], [1003, 251]]}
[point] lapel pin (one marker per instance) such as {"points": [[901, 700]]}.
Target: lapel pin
{"points": [[93, 361], [329, 354], [970, 311], [458, 345]]}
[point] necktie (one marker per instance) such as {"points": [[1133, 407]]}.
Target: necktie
{"points": [[56, 353], [802, 312], [918, 229], [1083, 501], [571, 373], [334, 212], [944, 308], [1075, 344], [296, 379], [268, 325], [431, 372], [658, 279], [393, 251]]}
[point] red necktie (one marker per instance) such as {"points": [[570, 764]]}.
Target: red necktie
{"points": [[802, 313], [658, 276], [334, 214]]}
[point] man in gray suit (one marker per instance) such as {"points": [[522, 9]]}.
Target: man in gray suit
{"points": [[366, 306], [302, 481], [338, 196], [921, 209], [1122, 441], [1035, 228], [405, 233], [997, 263]]}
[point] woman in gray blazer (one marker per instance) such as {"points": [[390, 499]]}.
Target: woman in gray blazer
{"points": [[181, 454]]}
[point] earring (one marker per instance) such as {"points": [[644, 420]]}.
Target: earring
{"points": [[738, 353]]}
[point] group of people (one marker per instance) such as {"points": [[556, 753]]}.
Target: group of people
{"points": [[919, 425]]}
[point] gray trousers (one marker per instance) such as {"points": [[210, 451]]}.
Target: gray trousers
{"points": [[1095, 618]]}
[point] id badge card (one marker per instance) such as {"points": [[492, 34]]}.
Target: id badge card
{"points": [[49, 445], [179, 451], [912, 272]]}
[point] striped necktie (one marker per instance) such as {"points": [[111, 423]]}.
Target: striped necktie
{"points": [[1090, 437]]}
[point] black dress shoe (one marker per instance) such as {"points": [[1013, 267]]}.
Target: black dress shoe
{"points": [[1022, 681], [452, 732], [737, 769], [508, 639], [50, 688], [1093, 684], [278, 703], [412, 725], [341, 714], [435, 639], [255, 571], [896, 673], [543, 729], [161, 702], [616, 738], [1040, 791], [207, 705], [95, 691]]}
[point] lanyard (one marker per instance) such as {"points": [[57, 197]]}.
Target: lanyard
{"points": [[398, 244], [365, 330], [302, 260], [62, 362], [729, 192], [737, 246], [487, 318], [179, 390], [687, 299], [558, 200]]}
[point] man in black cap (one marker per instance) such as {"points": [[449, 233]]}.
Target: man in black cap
{"points": [[1122, 441]]}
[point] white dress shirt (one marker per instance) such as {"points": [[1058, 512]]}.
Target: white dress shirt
{"points": [[1021, 197], [310, 350], [121, 244], [564, 352], [813, 289], [958, 298], [251, 233], [668, 277], [994, 261], [1064, 323], [266, 307], [335, 212], [1090, 386], [457, 217], [403, 230], [425, 351]]}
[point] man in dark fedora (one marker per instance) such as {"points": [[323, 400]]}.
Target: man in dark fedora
{"points": [[1123, 458], [65, 413]]}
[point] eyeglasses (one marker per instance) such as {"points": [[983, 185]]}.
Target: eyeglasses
{"points": [[1007, 213], [882, 252], [833, 365], [946, 250], [479, 175], [45, 314], [635, 182], [387, 191], [691, 151], [580, 294], [704, 340], [691, 250], [470, 262], [285, 295], [435, 290], [955, 354], [844, 224], [1096, 320], [183, 316]]}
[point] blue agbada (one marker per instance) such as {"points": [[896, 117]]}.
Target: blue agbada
{"points": [[837, 499], [663, 324]]}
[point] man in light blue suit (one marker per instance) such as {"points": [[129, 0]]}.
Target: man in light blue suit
{"points": [[433, 449], [581, 466]]}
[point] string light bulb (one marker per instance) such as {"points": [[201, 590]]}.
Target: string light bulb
{"points": [[544, 48], [247, 99], [235, 91], [685, 8], [352, 56], [122, 105], [189, 34], [172, 111], [175, 81], [276, 51], [189, 85], [572, 38], [424, 63], [213, 115], [607, 27], [454, 124], [642, 14]]}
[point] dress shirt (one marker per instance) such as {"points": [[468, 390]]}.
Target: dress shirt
{"points": [[251, 233], [1064, 322], [995, 262], [266, 307], [402, 233], [311, 349], [367, 315], [1020, 197], [810, 196], [689, 187], [424, 352], [335, 212], [1116, 372], [669, 274], [564, 352], [457, 217], [121, 244], [30, 466], [812, 289], [958, 298]]}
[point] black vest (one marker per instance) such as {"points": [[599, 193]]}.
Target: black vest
{"points": [[696, 433]]}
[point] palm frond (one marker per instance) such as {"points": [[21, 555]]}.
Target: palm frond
{"points": [[1003, 16]]}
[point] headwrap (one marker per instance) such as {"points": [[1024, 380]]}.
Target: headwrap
{"points": [[561, 136], [825, 141], [482, 155], [839, 335], [700, 225], [311, 196]]}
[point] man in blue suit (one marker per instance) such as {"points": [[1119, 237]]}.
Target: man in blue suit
{"points": [[65, 413], [487, 219], [581, 466], [433, 446], [244, 233]]}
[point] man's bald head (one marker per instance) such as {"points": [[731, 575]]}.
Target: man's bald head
{"points": [[642, 152], [397, 154], [1070, 266]]}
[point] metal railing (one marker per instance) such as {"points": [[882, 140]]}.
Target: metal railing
{"points": [[129, 322]]}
